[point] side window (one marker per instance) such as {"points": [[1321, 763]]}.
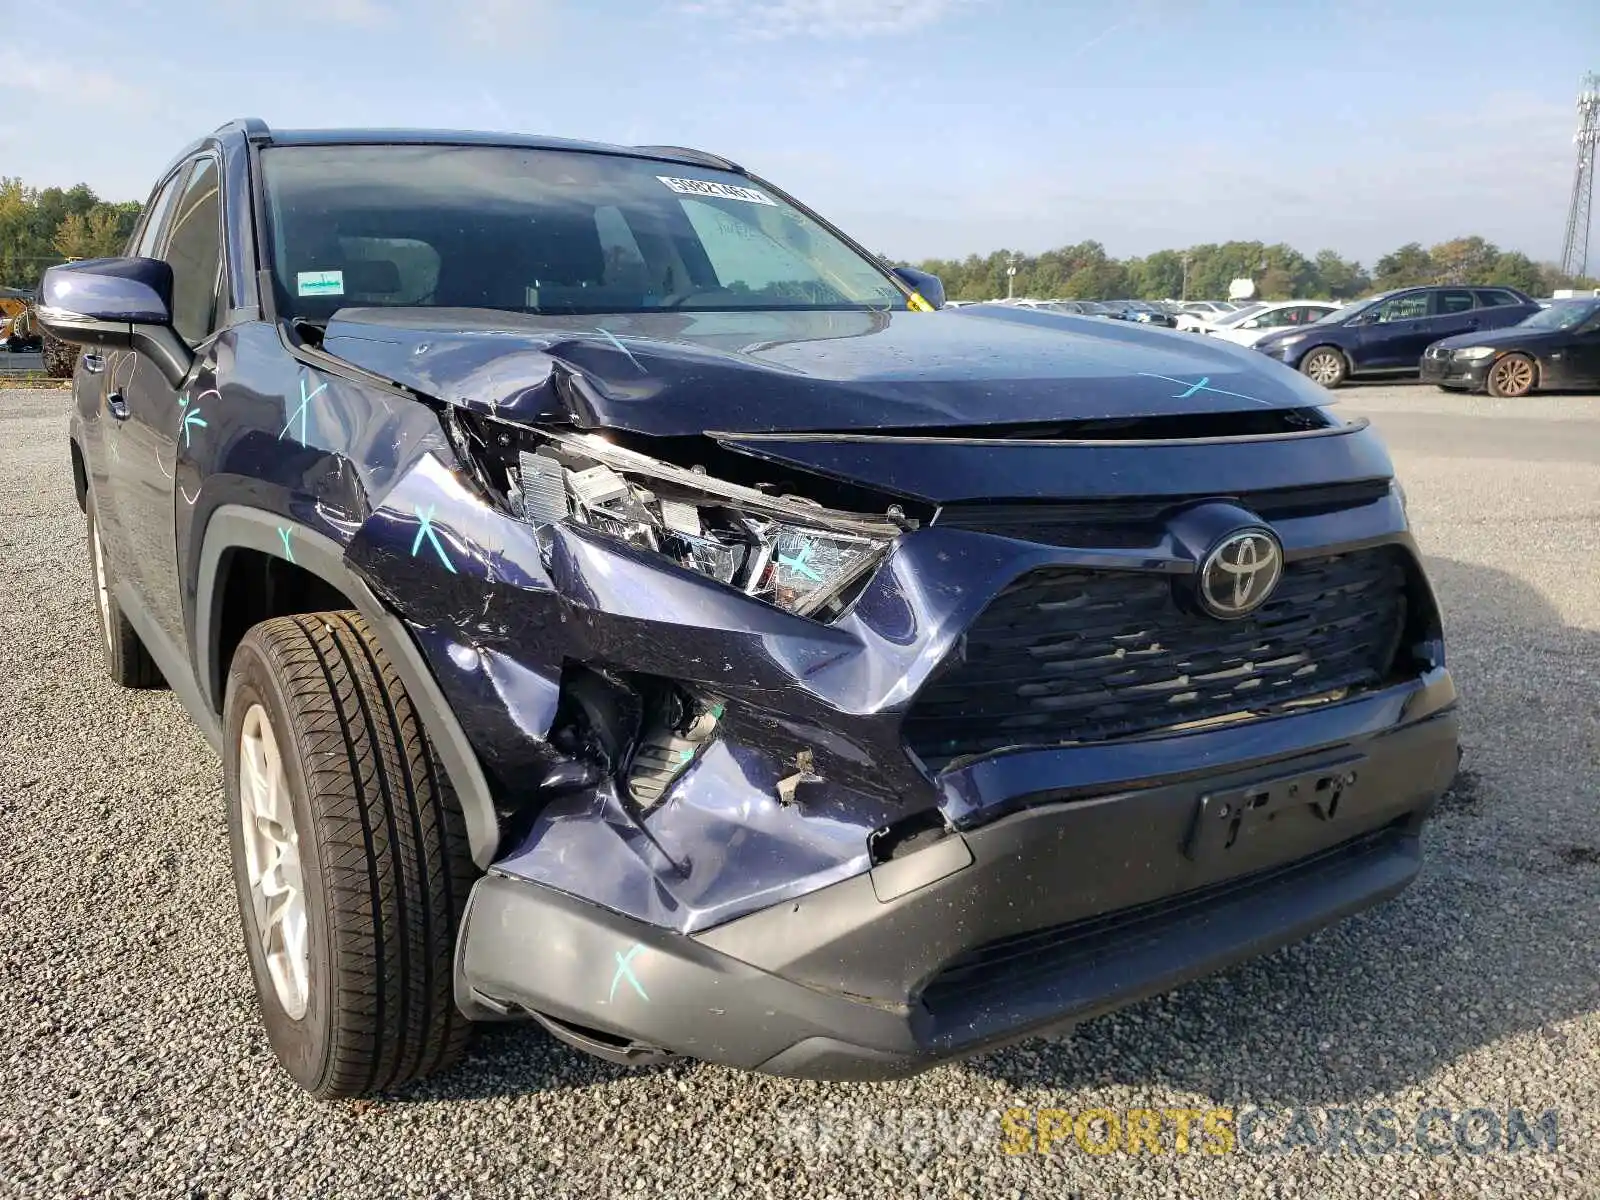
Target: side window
{"points": [[1403, 308], [194, 251], [1448, 303], [1496, 299], [155, 217]]}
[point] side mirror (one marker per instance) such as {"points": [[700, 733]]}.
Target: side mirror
{"points": [[116, 302], [929, 287]]}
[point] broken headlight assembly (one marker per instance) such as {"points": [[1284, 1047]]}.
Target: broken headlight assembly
{"points": [[790, 552]]}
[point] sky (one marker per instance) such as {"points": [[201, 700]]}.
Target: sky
{"points": [[926, 128]]}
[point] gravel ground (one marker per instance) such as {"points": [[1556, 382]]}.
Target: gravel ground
{"points": [[133, 1063]]}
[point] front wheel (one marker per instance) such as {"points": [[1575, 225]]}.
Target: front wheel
{"points": [[350, 858], [1326, 366], [1512, 376]]}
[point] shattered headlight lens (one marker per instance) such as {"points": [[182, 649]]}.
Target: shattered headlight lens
{"points": [[790, 552]]}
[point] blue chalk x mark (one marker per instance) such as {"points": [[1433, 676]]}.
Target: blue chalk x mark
{"points": [[426, 530], [799, 564], [302, 414], [625, 971], [1204, 385], [284, 533], [191, 420]]}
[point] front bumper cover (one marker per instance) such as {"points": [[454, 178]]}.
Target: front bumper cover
{"points": [[1035, 921], [1452, 372]]}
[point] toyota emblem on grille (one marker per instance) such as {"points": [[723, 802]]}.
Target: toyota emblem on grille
{"points": [[1240, 572]]}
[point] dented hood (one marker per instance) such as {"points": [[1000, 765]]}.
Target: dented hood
{"points": [[673, 373]]}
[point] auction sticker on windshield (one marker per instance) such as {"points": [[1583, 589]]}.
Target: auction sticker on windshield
{"points": [[320, 283], [721, 191]]}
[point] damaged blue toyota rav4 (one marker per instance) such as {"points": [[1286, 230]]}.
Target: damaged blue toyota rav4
{"points": [[620, 601]]}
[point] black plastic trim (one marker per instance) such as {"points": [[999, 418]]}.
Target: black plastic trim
{"points": [[830, 986]]}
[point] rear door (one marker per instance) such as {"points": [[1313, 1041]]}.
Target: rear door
{"points": [[1454, 311], [163, 423]]}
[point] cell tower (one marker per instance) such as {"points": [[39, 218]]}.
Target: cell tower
{"points": [[1575, 250]]}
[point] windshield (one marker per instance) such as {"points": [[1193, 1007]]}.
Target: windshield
{"points": [[544, 231], [1563, 314]]}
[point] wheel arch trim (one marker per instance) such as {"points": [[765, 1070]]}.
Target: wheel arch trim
{"points": [[239, 527]]}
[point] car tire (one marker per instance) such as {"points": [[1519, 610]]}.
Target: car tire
{"points": [[1512, 376], [1325, 365], [345, 811], [127, 661]]}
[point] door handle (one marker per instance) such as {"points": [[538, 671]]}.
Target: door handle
{"points": [[94, 363], [117, 406]]}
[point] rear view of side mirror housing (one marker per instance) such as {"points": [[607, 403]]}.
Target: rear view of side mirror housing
{"points": [[929, 287], [116, 302]]}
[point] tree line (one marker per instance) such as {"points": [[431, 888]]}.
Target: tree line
{"points": [[1086, 272], [43, 226]]}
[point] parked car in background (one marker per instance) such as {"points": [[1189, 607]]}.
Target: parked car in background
{"points": [[1195, 315], [1077, 308], [1386, 334], [1138, 310], [1557, 347], [1249, 326], [1192, 324]]}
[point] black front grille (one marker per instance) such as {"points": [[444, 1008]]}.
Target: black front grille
{"points": [[1073, 656]]}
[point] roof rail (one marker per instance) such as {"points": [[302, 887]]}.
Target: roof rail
{"points": [[692, 155], [253, 128]]}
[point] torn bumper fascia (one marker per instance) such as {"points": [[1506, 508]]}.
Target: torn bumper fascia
{"points": [[499, 608]]}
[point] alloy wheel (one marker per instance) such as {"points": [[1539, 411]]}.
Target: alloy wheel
{"points": [[272, 862], [1513, 376], [1324, 368]]}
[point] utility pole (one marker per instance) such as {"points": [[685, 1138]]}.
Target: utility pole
{"points": [[1011, 279], [1575, 246], [1185, 292]]}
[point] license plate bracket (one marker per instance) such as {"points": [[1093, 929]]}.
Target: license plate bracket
{"points": [[1227, 819]]}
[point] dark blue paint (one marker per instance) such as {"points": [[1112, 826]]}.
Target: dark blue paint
{"points": [[322, 443], [761, 372], [111, 289]]}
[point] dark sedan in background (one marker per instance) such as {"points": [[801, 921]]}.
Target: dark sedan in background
{"points": [[1386, 334], [1139, 310], [1557, 347]]}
